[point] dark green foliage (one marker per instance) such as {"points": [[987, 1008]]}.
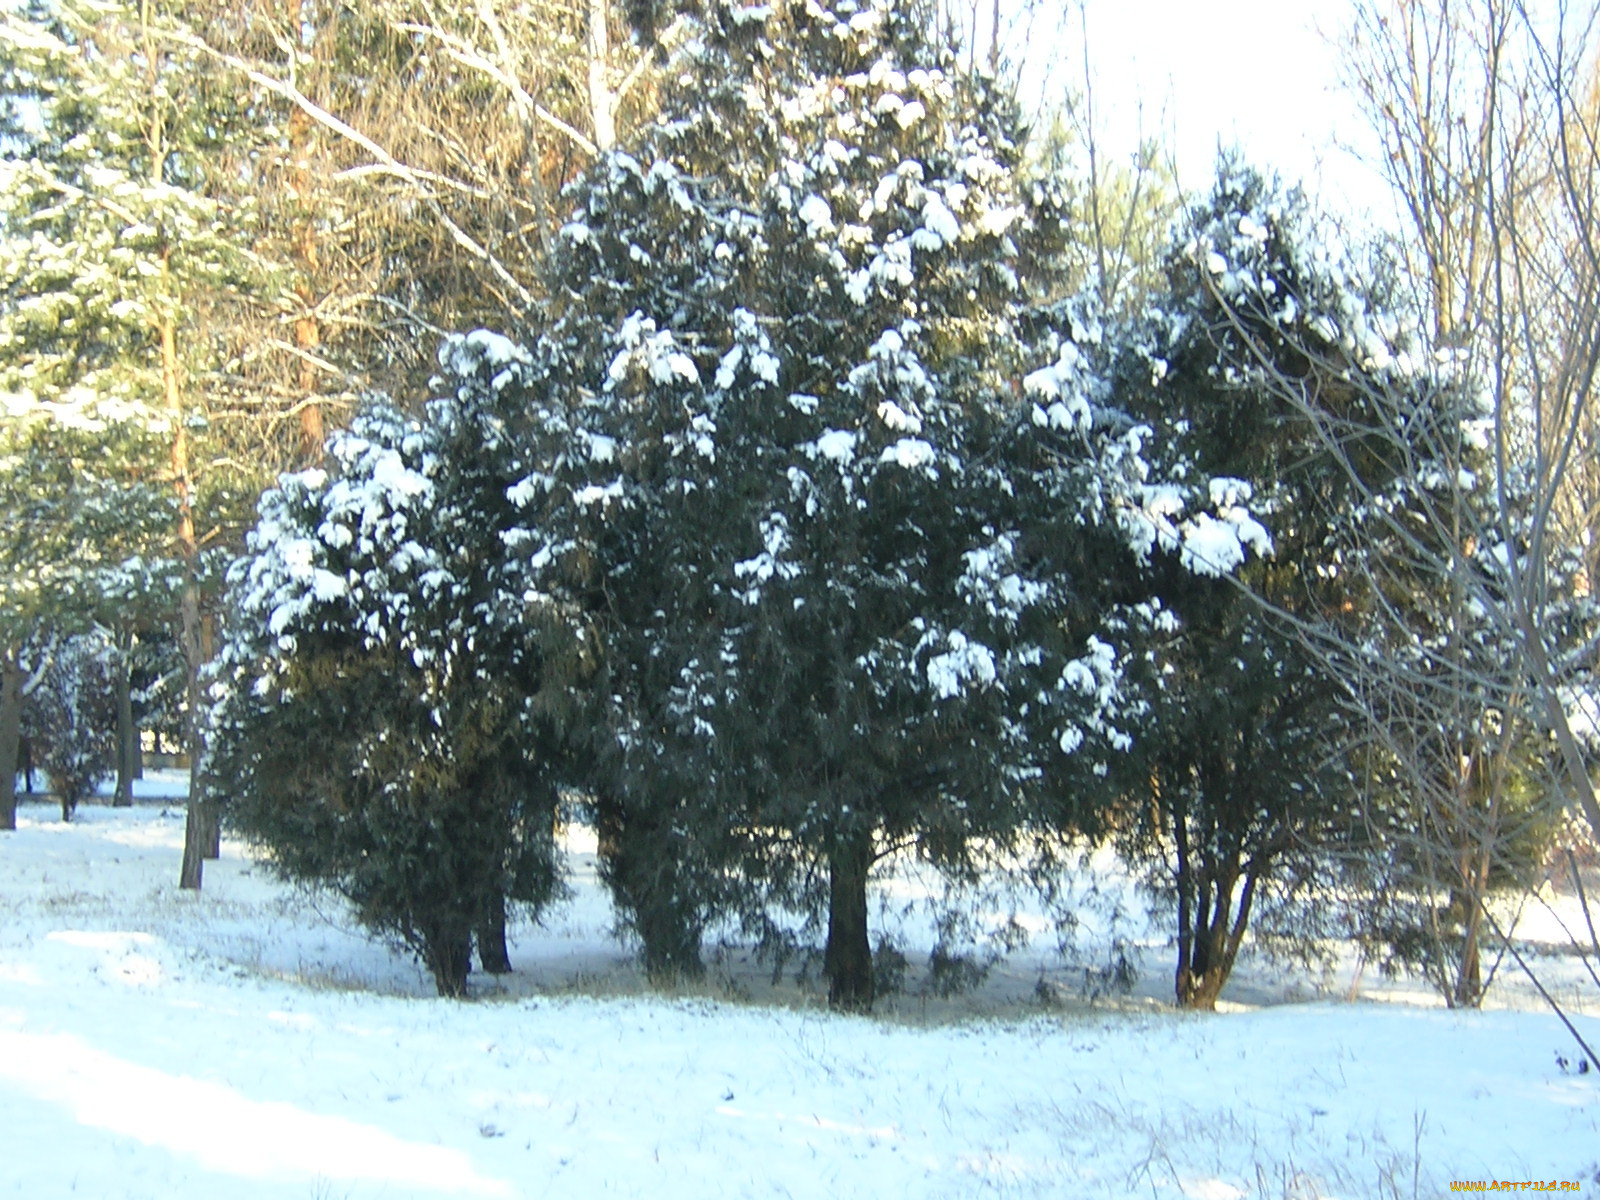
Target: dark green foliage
{"points": [[70, 717], [848, 576], [389, 715]]}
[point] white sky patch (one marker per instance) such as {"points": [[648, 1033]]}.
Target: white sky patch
{"points": [[1195, 77]]}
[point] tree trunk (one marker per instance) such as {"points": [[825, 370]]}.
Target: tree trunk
{"points": [[198, 831], [1467, 988], [307, 328], [10, 735], [127, 733], [1201, 981], [847, 961], [492, 951], [1208, 952], [1200, 978], [200, 828], [641, 865], [447, 953], [602, 102]]}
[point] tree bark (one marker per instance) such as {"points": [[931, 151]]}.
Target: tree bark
{"points": [[199, 829], [492, 952], [602, 101], [1210, 948], [1467, 988], [127, 733], [447, 953], [10, 735], [847, 961]]}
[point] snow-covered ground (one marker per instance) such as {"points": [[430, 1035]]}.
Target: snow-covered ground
{"points": [[245, 1042]]}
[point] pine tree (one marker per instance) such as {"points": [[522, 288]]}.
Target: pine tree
{"points": [[72, 513], [110, 238]]}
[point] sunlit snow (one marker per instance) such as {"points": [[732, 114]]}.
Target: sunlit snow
{"points": [[246, 1042]]}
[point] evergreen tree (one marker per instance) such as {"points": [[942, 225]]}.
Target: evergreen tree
{"points": [[70, 720], [1461, 799], [388, 710], [108, 239], [836, 559], [72, 512]]}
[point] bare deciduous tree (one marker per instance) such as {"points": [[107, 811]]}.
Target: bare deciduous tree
{"points": [[1466, 664]]}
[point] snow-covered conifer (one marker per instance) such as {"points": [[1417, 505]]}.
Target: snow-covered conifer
{"points": [[106, 235], [70, 717], [835, 551], [388, 714]]}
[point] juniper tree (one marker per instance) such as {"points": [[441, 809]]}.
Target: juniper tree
{"points": [[1244, 779], [388, 713], [833, 536]]}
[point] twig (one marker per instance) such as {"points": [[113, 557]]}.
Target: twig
{"points": [[1534, 979]]}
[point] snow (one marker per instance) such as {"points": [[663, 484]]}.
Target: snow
{"points": [[964, 664], [816, 215], [909, 453], [940, 221], [836, 445], [522, 492], [897, 419], [1213, 546], [596, 493], [656, 352], [497, 349], [245, 1042]]}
